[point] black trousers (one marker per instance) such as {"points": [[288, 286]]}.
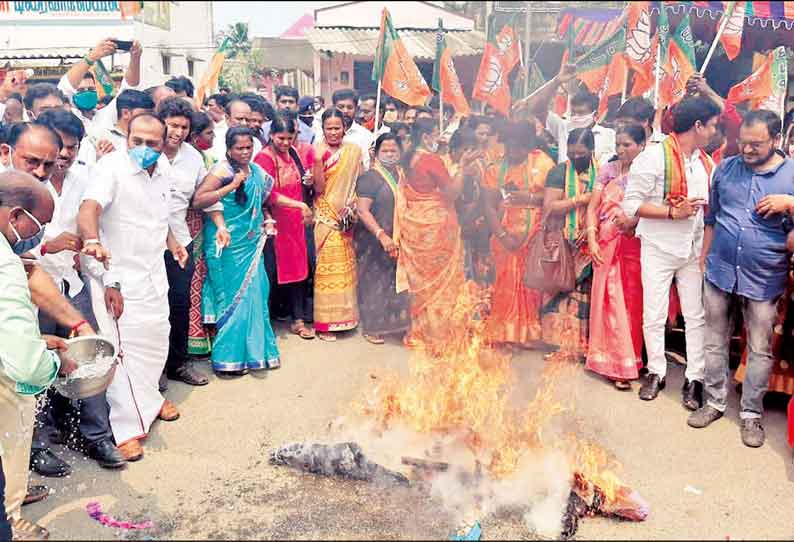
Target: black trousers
{"points": [[179, 306], [294, 300], [5, 526], [91, 417]]}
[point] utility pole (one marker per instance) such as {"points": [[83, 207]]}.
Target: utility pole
{"points": [[527, 46]]}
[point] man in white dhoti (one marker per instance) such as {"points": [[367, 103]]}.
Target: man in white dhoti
{"points": [[123, 221], [668, 189]]}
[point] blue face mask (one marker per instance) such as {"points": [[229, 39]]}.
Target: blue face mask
{"points": [[21, 245], [144, 156]]}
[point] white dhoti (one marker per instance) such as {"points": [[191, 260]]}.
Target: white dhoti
{"points": [[17, 418], [133, 395]]}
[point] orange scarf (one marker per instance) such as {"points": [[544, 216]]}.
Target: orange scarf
{"points": [[675, 183]]}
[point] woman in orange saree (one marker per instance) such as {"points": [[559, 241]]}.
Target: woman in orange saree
{"points": [[615, 349], [515, 189], [430, 261], [337, 166]]}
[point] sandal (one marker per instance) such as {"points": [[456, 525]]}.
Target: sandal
{"points": [[622, 385], [300, 329], [327, 336], [190, 376], [374, 339]]}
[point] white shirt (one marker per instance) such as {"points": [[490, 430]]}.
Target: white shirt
{"points": [[94, 135], [188, 171], [604, 139], [64, 219], [133, 225], [218, 150], [105, 117], [646, 185]]}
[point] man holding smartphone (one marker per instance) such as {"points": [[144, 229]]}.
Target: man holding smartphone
{"points": [[668, 190]]}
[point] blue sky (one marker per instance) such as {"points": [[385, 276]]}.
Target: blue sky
{"points": [[264, 18]]}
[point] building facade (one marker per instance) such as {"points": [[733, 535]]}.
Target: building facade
{"points": [[48, 37]]}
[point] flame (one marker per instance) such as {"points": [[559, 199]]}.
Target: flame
{"points": [[463, 387]]}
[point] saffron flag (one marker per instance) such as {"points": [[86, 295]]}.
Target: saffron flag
{"points": [[640, 47], [209, 79], [679, 64], [501, 55], [731, 38], [395, 69], [603, 69], [445, 78], [103, 79], [766, 86]]}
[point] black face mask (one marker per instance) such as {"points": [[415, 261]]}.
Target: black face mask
{"points": [[581, 164]]}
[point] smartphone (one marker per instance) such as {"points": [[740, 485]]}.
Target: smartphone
{"points": [[122, 45]]}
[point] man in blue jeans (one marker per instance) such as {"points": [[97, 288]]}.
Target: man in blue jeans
{"points": [[746, 264]]}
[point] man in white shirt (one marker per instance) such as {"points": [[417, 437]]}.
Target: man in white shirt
{"points": [[79, 85], [346, 100], [188, 171], [124, 216], [671, 230], [237, 113], [61, 244], [100, 140]]}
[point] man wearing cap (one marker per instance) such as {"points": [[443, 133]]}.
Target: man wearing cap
{"points": [[308, 126]]}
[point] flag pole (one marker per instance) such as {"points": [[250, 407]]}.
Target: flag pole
{"points": [[377, 108], [714, 43], [657, 74]]}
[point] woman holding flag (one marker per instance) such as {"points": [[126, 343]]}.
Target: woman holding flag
{"points": [[569, 186]]}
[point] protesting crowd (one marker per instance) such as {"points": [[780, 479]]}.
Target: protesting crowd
{"points": [[180, 229]]}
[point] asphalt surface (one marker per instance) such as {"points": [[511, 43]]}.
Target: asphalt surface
{"points": [[207, 476]]}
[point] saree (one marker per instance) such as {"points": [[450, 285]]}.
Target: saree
{"points": [[198, 340], [335, 303], [565, 316], [515, 310], [383, 310], [431, 255], [615, 349], [237, 289]]}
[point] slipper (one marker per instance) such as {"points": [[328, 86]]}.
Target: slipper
{"points": [[327, 336], [300, 329], [622, 385], [189, 375], [374, 339]]}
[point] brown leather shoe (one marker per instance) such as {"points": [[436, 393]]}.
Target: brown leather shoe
{"points": [[131, 450], [22, 529], [36, 494], [168, 412]]}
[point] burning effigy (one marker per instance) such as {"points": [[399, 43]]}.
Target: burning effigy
{"points": [[453, 425]]}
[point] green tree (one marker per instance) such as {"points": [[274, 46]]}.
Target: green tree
{"points": [[239, 41]]}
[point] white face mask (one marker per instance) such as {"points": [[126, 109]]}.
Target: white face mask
{"points": [[580, 121]]}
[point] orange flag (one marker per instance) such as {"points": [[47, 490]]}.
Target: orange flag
{"points": [[640, 47], [445, 78], [731, 38], [613, 84], [679, 65], [395, 69], [209, 79], [130, 9], [499, 58], [766, 86]]}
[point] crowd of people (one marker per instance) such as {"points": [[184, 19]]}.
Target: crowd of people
{"points": [[179, 230]]}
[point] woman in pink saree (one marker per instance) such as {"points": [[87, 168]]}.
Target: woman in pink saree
{"points": [[615, 349]]}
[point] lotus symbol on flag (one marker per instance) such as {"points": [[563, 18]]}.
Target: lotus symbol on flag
{"points": [[493, 80], [638, 45], [735, 23], [676, 75], [504, 41], [401, 85]]}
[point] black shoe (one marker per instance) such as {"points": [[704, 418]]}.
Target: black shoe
{"points": [[692, 395], [163, 383], [651, 388], [48, 464], [106, 454]]}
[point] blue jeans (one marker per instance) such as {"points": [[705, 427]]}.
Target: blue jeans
{"points": [[5, 526], [759, 320]]}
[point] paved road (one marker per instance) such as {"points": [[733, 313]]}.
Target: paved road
{"points": [[207, 475]]}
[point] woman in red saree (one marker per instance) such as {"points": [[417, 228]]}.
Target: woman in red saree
{"points": [[515, 188], [430, 260], [286, 252], [337, 166], [615, 349]]}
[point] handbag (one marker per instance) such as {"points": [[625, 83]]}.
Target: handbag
{"points": [[550, 265]]}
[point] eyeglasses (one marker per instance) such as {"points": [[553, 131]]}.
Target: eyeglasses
{"points": [[754, 145]]}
